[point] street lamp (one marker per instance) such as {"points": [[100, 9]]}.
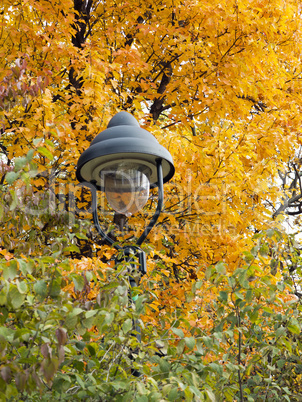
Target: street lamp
{"points": [[125, 161]]}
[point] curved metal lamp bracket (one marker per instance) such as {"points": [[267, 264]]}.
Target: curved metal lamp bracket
{"points": [[96, 219], [135, 249]]}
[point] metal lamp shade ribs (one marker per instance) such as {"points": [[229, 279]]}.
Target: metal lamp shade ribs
{"points": [[123, 141]]}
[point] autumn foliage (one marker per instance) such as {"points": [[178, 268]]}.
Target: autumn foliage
{"points": [[219, 85]]}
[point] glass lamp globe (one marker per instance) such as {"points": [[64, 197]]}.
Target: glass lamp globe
{"points": [[126, 185]]}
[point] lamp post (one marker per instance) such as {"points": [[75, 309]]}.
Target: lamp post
{"points": [[125, 161]]}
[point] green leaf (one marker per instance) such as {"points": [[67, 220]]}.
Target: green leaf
{"points": [[70, 321], [273, 232], [293, 329], [71, 249], [216, 368], [37, 141], [88, 322], [50, 143], [89, 276], [242, 278], [23, 266], [139, 304], [208, 272], [190, 342], [15, 298], [80, 345], [90, 313], [78, 281], [180, 346], [223, 295], [178, 332], [195, 391], [76, 311], [200, 349], [45, 152], [6, 333], [22, 287], [264, 250], [10, 271], [81, 236], [249, 256], [10, 177], [164, 365], [3, 298], [141, 398], [40, 288], [80, 381], [55, 288], [281, 363], [208, 341], [30, 155], [173, 394], [91, 349], [47, 259], [239, 295], [119, 384], [249, 295], [210, 395], [127, 325], [253, 315], [109, 317], [280, 331], [20, 163], [220, 267]]}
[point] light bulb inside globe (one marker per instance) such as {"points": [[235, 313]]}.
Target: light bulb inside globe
{"points": [[127, 186]]}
